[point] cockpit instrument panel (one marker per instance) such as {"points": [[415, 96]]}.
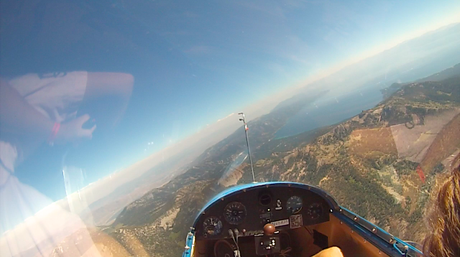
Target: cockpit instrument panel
{"points": [[247, 210]]}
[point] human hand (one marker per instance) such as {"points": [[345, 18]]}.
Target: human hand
{"points": [[73, 130], [333, 251]]}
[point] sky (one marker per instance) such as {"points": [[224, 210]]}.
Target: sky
{"points": [[195, 63]]}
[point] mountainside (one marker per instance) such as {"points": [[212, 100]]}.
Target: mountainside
{"points": [[381, 164]]}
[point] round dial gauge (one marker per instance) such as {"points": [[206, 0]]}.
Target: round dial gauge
{"points": [[212, 226], [294, 204], [315, 210], [234, 213]]}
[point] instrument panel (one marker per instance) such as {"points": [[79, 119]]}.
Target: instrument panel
{"points": [[247, 210]]}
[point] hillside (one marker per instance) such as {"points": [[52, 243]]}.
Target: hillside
{"points": [[382, 164]]}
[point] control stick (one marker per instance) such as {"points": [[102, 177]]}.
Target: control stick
{"points": [[269, 229], [269, 243]]}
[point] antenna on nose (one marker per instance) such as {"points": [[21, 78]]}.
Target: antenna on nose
{"points": [[245, 125]]}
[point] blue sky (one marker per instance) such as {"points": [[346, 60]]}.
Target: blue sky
{"points": [[196, 62]]}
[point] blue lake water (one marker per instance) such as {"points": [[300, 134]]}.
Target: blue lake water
{"points": [[329, 110]]}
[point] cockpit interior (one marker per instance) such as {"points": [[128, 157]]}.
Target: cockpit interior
{"points": [[285, 219]]}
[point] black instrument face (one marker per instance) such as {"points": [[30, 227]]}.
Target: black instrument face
{"points": [[265, 199], [294, 204], [212, 226], [235, 213], [314, 211]]}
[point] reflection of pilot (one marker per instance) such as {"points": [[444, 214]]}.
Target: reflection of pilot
{"points": [[42, 108], [443, 218]]}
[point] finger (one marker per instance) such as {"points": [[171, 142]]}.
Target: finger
{"points": [[88, 133], [84, 118], [92, 129]]}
